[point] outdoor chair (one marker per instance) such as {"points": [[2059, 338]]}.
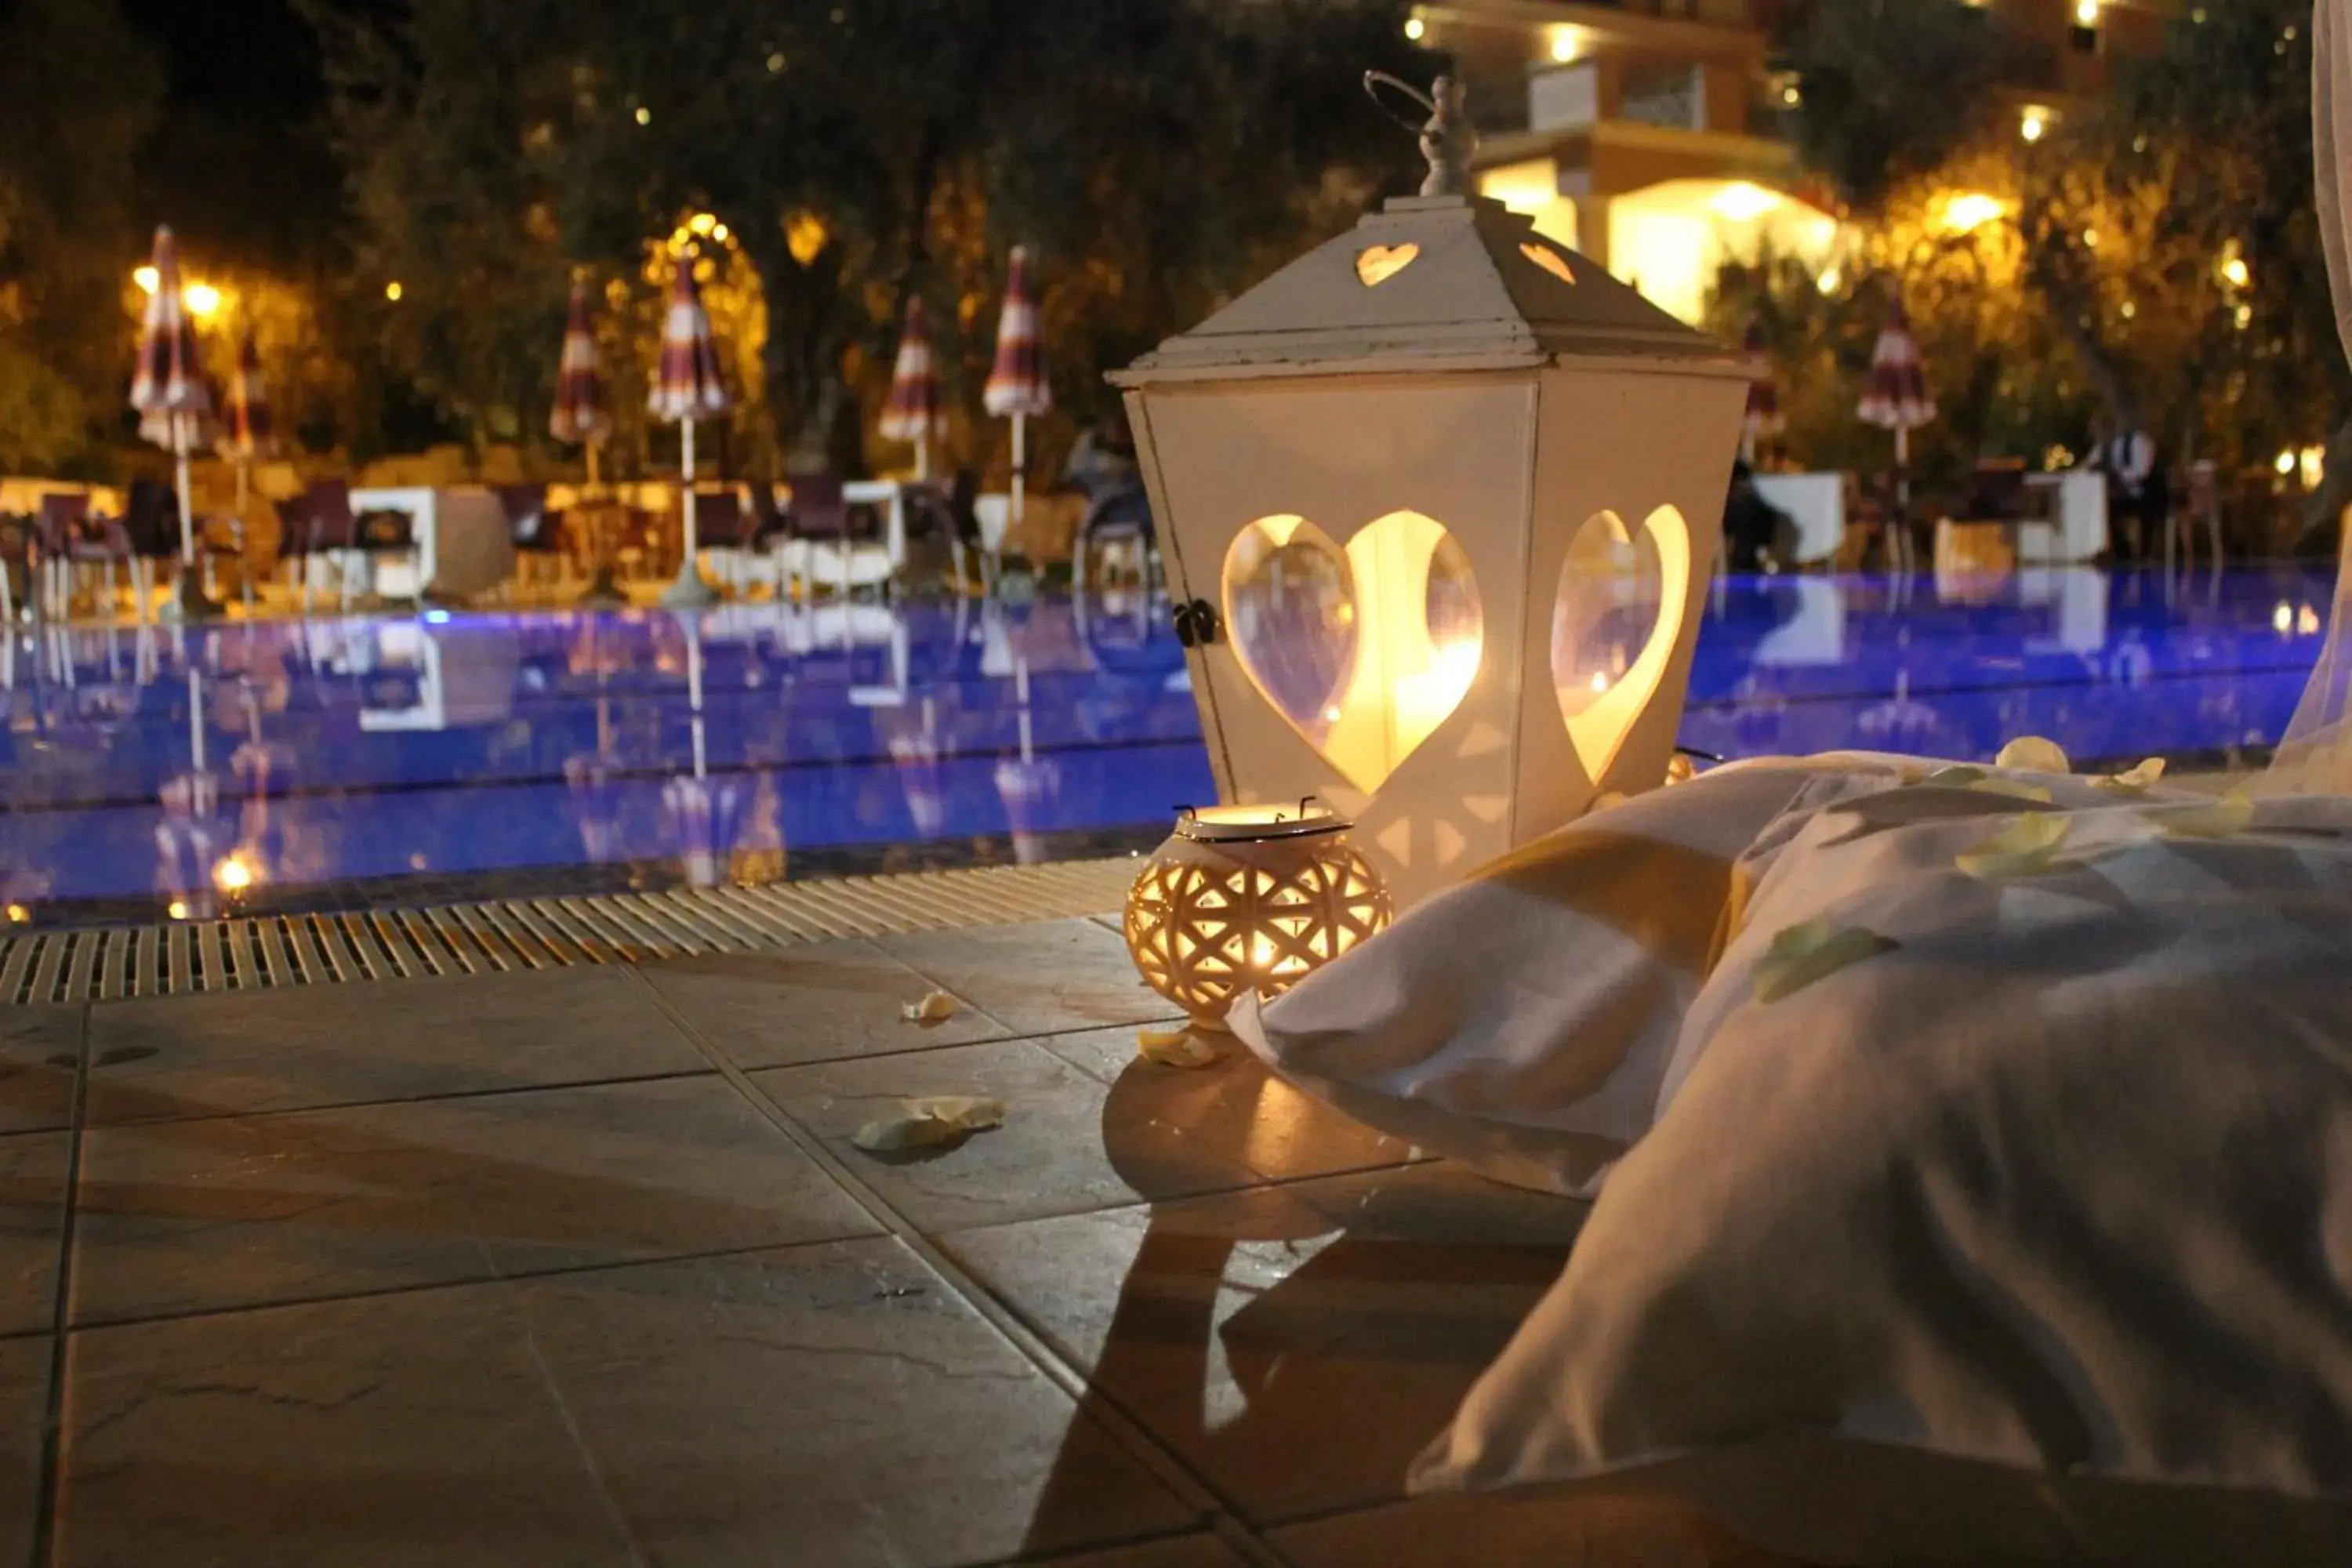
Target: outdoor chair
{"points": [[722, 530], [820, 514], [317, 522], [2202, 507], [538, 532], [71, 538], [1119, 520]]}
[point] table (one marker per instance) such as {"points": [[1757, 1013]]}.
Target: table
{"points": [[2078, 529], [461, 541], [1816, 503]]}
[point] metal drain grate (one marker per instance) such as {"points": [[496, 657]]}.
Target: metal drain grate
{"points": [[538, 933]]}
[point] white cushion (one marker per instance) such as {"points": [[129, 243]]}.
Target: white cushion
{"points": [[1522, 1021], [2058, 1177]]}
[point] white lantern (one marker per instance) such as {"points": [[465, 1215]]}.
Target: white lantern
{"points": [[1439, 502]]}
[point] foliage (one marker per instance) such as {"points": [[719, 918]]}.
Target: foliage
{"points": [[1156, 152], [2153, 259], [77, 95], [1893, 87]]}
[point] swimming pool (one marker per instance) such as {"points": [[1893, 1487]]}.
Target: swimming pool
{"points": [[337, 763]]}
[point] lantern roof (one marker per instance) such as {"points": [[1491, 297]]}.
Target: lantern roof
{"points": [[1431, 282]]}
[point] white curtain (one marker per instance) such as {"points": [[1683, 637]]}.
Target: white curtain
{"points": [[2315, 756]]}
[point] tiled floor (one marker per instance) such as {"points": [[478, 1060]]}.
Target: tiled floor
{"points": [[581, 1266]]}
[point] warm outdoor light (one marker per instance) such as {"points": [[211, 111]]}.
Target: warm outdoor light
{"points": [[233, 874], [1249, 898], [144, 276], [1971, 211], [392, 292], [2235, 272], [2032, 122], [1439, 502], [1744, 203], [202, 298], [1415, 29]]}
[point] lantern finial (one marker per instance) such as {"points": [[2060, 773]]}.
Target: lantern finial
{"points": [[1448, 139]]}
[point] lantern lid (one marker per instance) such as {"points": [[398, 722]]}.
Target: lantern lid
{"points": [[1258, 824], [1431, 282]]}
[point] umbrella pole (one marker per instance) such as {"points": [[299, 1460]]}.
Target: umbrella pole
{"points": [[922, 459], [601, 589], [190, 600], [196, 716], [689, 591], [1020, 463]]}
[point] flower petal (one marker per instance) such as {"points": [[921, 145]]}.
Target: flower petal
{"points": [[1803, 955]]}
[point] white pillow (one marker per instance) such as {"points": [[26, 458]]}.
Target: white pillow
{"points": [[1522, 1021], [2055, 1174]]}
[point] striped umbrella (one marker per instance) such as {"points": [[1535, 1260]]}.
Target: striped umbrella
{"points": [[1897, 399], [1763, 421], [688, 387], [579, 417], [912, 414], [1017, 388], [169, 388]]}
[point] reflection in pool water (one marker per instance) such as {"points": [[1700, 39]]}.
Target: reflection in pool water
{"points": [[337, 762]]}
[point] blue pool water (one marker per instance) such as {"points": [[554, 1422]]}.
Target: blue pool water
{"points": [[402, 759]]}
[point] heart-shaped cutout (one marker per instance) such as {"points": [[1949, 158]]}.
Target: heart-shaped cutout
{"points": [[1552, 261], [1383, 262], [1365, 650], [1622, 593]]}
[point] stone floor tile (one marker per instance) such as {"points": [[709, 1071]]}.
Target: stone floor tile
{"points": [[629, 1172], [189, 1216], [32, 1170], [1037, 979], [1236, 1108], [206, 1215], [831, 1406], [1509, 1531], [819, 1002], [1296, 1366], [24, 1416], [39, 1048], [240, 1052], [1197, 1550], [1069, 1141], [410, 1429], [1444, 1203]]}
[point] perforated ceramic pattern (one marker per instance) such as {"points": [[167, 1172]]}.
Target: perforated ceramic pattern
{"points": [[276, 951]]}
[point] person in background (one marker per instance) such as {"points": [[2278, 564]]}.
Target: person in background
{"points": [[1103, 462], [2137, 498], [1757, 535]]}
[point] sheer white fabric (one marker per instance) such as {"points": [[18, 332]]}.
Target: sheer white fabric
{"points": [[2316, 756]]}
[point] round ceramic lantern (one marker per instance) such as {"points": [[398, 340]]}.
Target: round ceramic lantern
{"points": [[1250, 896]]}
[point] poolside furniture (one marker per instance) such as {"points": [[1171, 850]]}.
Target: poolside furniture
{"points": [[1816, 503], [2070, 523], [1118, 526], [845, 535], [2203, 506], [536, 529], [317, 525], [453, 543]]}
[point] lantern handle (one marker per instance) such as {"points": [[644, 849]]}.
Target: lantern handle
{"points": [[1447, 138]]}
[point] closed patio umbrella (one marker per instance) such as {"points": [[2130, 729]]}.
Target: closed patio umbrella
{"points": [[1897, 398], [169, 390], [1017, 388], [581, 419], [688, 387], [912, 415]]}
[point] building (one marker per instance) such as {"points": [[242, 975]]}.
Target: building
{"points": [[1652, 134]]}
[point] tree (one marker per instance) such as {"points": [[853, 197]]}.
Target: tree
{"points": [[857, 154], [77, 95], [1891, 88]]}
